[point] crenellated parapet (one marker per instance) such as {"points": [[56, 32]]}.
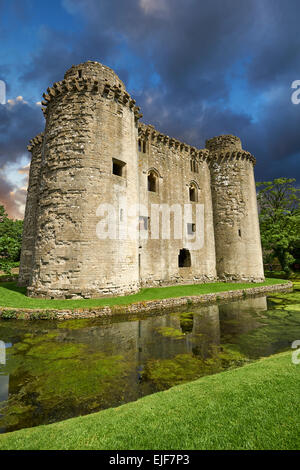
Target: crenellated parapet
{"points": [[230, 156], [149, 133], [67, 87], [219, 149], [38, 140], [224, 148]]}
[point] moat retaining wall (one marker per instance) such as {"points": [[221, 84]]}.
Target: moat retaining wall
{"points": [[147, 307]]}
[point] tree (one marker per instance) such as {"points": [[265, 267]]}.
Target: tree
{"points": [[10, 241], [279, 217]]}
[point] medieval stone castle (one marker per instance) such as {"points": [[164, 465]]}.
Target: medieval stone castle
{"points": [[95, 151]]}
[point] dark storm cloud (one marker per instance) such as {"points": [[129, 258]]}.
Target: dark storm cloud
{"points": [[192, 123], [277, 59], [19, 122], [274, 139], [181, 60], [189, 43]]}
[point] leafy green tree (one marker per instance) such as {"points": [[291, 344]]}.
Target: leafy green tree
{"points": [[279, 217], [10, 241]]}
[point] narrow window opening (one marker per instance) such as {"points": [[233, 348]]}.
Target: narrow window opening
{"points": [[184, 258], [152, 182], [144, 146], [194, 165], [140, 145], [193, 194], [191, 228], [240, 233], [79, 73], [144, 222], [118, 167]]}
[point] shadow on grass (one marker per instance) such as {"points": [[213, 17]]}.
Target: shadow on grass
{"points": [[13, 287]]}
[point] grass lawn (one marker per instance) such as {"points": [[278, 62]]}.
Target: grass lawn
{"points": [[13, 296], [252, 407]]}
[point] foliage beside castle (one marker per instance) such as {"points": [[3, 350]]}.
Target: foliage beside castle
{"points": [[94, 151]]}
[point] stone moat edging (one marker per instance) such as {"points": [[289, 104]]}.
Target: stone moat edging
{"points": [[139, 307]]}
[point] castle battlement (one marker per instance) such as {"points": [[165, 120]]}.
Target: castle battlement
{"points": [[84, 85], [37, 140], [95, 154], [148, 132]]}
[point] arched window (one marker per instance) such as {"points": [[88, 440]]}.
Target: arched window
{"points": [[184, 259], [193, 192], [152, 181]]}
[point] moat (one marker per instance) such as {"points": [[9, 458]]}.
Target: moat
{"points": [[55, 370]]}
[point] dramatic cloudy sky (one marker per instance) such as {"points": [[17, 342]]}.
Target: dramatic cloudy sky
{"points": [[197, 69]]}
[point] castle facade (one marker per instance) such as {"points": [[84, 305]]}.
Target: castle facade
{"points": [[94, 155]]}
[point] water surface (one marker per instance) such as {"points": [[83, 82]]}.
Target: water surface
{"points": [[55, 370]]}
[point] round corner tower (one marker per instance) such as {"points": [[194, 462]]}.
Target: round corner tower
{"points": [[31, 212], [237, 234], [89, 163]]}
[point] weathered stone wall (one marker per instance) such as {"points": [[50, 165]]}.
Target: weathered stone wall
{"points": [[236, 226], [91, 122], [88, 123], [31, 211], [171, 162]]}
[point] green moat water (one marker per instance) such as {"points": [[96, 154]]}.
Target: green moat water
{"points": [[55, 370]]}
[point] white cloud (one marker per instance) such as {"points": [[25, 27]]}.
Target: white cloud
{"points": [[154, 6], [17, 100], [16, 175]]}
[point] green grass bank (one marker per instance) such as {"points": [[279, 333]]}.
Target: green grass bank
{"points": [[13, 296], [253, 407]]}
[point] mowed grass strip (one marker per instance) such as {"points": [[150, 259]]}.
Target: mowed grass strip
{"points": [[252, 407], [13, 296]]}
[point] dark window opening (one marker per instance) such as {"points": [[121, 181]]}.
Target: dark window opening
{"points": [[184, 259], [144, 222], [80, 73], [152, 182], [194, 165], [118, 167], [142, 145], [191, 228], [193, 194], [240, 233]]}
